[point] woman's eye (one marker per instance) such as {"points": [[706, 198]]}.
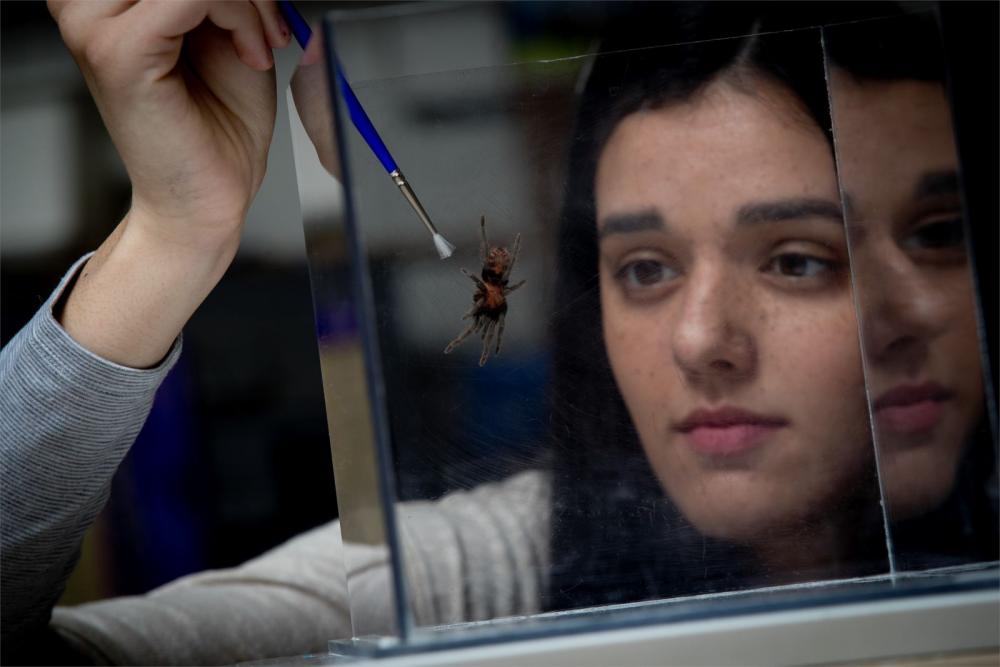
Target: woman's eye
{"points": [[645, 273], [937, 235], [796, 265]]}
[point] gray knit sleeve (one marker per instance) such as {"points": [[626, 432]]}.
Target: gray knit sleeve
{"points": [[67, 418]]}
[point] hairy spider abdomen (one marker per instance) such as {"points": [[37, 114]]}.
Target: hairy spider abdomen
{"points": [[493, 300]]}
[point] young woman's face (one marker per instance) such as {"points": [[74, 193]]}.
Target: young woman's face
{"points": [[728, 313], [898, 169]]}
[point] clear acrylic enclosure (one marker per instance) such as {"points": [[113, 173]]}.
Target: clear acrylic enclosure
{"points": [[695, 351], [914, 285]]}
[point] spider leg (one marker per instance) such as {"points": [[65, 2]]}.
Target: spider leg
{"points": [[476, 279], [511, 288], [487, 342], [500, 324], [469, 330], [513, 256], [471, 312], [484, 246]]}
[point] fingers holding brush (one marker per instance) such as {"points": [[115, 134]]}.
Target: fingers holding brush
{"points": [[186, 89], [187, 92], [278, 33]]}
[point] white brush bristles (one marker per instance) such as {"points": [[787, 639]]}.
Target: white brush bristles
{"points": [[444, 248]]}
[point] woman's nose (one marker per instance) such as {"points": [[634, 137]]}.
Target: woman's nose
{"points": [[711, 339], [901, 310]]}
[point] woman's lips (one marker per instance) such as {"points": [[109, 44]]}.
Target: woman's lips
{"points": [[908, 409], [727, 431]]}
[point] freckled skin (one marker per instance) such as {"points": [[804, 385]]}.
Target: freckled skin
{"points": [[727, 333], [918, 312]]}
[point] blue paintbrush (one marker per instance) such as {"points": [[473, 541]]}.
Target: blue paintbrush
{"points": [[302, 35]]}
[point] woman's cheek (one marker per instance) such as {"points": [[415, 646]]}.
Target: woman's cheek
{"points": [[821, 371], [824, 347], [625, 349], [637, 357]]}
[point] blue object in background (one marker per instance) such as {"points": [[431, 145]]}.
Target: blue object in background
{"points": [[504, 412], [157, 529]]}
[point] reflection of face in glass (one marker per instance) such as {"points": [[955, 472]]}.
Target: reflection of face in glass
{"points": [[727, 310], [899, 174]]}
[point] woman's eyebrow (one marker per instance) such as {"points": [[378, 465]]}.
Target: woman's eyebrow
{"points": [[937, 183], [623, 223], [789, 209]]}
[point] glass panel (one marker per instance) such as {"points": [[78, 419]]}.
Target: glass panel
{"points": [[672, 401], [900, 177], [344, 340]]}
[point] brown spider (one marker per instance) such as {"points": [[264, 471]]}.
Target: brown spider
{"points": [[489, 306]]}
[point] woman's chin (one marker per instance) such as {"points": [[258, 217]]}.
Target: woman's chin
{"points": [[916, 482], [745, 520]]}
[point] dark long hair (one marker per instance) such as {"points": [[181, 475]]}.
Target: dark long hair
{"points": [[616, 536]]}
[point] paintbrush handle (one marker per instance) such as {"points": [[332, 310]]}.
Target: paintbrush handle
{"points": [[358, 116], [364, 125]]}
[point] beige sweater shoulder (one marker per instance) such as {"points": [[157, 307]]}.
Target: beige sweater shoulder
{"points": [[471, 555]]}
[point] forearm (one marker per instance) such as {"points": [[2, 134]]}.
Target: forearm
{"points": [[138, 290], [68, 418]]}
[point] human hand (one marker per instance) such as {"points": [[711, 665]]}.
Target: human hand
{"points": [[311, 93], [186, 89]]}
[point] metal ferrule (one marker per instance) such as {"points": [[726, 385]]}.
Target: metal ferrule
{"points": [[398, 178]]}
